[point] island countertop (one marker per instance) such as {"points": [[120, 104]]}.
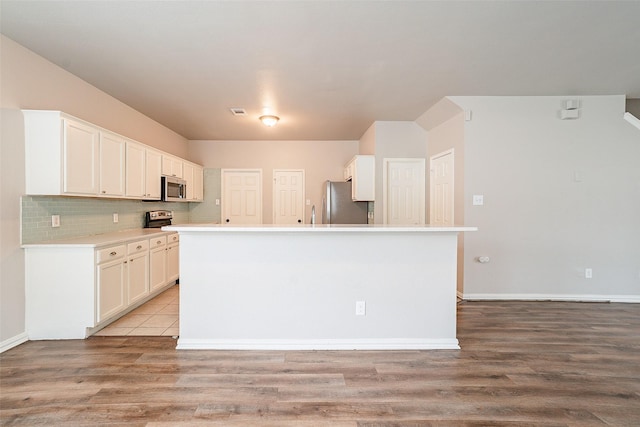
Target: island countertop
{"points": [[319, 228]]}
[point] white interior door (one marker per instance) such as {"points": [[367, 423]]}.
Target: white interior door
{"points": [[241, 196], [288, 197], [441, 200], [404, 191]]}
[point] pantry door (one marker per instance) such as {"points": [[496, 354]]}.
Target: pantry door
{"points": [[288, 196], [404, 191], [241, 196], [441, 201]]}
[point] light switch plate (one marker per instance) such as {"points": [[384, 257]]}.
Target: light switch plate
{"points": [[55, 220]]}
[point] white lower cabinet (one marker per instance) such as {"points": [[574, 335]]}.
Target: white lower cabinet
{"points": [[137, 271], [157, 262], [111, 286], [74, 289], [173, 257]]}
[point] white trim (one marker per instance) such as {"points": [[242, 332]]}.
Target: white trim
{"points": [[319, 344], [13, 342], [554, 297]]}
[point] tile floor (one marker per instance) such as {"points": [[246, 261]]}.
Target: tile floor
{"points": [[158, 317]]}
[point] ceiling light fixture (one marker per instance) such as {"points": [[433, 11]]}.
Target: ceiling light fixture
{"points": [[269, 120]]}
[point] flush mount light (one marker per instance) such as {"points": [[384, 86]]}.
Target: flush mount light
{"points": [[269, 120]]}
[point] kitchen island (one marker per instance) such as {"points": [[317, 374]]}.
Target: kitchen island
{"points": [[317, 287]]}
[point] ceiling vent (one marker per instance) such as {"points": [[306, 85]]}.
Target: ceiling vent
{"points": [[238, 111]]}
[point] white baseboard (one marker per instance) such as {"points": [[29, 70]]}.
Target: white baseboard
{"points": [[13, 342], [553, 297], [329, 344]]}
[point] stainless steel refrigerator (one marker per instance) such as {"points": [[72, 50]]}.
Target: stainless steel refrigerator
{"points": [[339, 208]]}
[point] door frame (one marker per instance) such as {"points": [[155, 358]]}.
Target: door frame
{"points": [[304, 193], [431, 184], [385, 184], [222, 190]]}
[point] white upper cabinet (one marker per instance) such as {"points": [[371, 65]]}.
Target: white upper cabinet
{"points": [[61, 154], [198, 183], [171, 166], [112, 158], [81, 158], [136, 170], [153, 174], [361, 172], [67, 156], [193, 175]]}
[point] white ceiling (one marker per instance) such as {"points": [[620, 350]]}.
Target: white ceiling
{"points": [[329, 69]]}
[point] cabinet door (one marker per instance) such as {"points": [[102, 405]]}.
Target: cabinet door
{"points": [[363, 178], [173, 262], [153, 175], [198, 181], [80, 169], [135, 170], [111, 289], [171, 166], [157, 268], [138, 276], [112, 152], [187, 172]]}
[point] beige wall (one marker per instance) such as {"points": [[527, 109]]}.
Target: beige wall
{"points": [[445, 136], [31, 82], [386, 139], [28, 81], [321, 160], [559, 196]]}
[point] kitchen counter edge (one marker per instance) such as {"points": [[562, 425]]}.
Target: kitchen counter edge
{"points": [[100, 240], [319, 228]]}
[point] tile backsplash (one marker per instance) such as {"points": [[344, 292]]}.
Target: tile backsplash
{"points": [[80, 216], [83, 216]]}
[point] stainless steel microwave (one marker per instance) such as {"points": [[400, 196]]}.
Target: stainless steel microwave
{"points": [[174, 189]]}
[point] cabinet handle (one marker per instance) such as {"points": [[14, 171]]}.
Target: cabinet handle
{"points": [[114, 253], [158, 242], [104, 191], [139, 247]]}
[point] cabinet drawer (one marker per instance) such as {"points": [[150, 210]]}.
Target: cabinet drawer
{"points": [[172, 238], [157, 241], [112, 253], [136, 247]]}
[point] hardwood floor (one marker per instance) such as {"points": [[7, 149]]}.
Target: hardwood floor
{"points": [[521, 364]]}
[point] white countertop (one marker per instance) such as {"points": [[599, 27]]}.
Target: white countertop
{"points": [[320, 228], [98, 240]]}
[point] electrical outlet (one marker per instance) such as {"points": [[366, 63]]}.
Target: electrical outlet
{"points": [[115, 218], [588, 273], [361, 308], [478, 200], [55, 220]]}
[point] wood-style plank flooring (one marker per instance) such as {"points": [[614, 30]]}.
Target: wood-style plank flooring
{"points": [[521, 364]]}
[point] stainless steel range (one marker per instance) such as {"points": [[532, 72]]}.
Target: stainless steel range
{"points": [[157, 219]]}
